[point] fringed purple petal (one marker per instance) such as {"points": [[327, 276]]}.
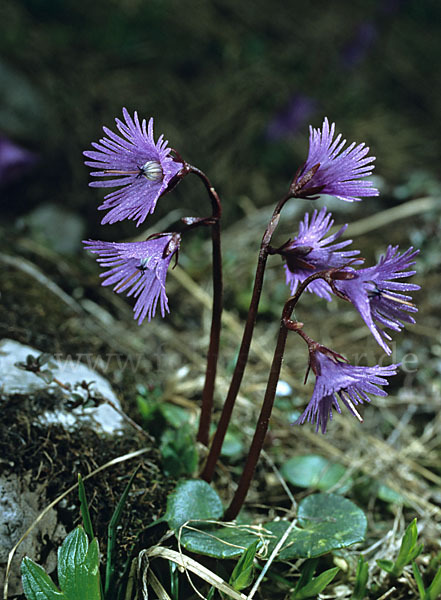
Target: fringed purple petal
{"points": [[310, 252], [139, 269], [336, 379], [373, 292], [340, 171], [130, 151]]}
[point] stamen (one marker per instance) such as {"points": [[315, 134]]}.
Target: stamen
{"points": [[117, 172], [350, 404], [377, 292], [151, 170], [399, 300], [143, 264]]}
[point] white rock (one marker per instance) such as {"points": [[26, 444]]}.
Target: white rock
{"points": [[14, 380]]}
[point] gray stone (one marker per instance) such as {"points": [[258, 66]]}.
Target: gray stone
{"points": [[20, 501], [14, 380], [19, 508]]}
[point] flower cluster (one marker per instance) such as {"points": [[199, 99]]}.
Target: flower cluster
{"points": [[373, 291], [381, 300], [143, 171]]}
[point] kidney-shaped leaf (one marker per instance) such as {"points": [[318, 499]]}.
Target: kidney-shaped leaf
{"points": [[192, 500], [218, 541], [326, 522], [314, 471]]}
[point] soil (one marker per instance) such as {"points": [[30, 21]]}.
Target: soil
{"points": [[39, 309]]}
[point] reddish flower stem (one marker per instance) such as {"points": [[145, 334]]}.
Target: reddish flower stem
{"points": [[268, 401], [216, 445], [213, 348]]}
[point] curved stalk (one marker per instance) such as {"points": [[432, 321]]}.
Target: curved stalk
{"points": [[213, 348], [216, 445], [268, 401]]}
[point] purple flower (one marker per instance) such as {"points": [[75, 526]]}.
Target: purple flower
{"points": [[336, 379], [331, 170], [141, 268], [141, 169], [377, 297], [310, 252], [14, 161], [362, 41], [291, 118]]}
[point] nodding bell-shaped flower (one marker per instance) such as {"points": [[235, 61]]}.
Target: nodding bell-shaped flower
{"points": [[339, 382], [310, 251], [378, 297], [329, 169], [140, 268], [142, 169]]}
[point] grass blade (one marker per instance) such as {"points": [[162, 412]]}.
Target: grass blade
{"points": [[87, 522], [111, 539]]}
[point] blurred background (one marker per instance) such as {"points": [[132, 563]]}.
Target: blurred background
{"points": [[232, 85]]}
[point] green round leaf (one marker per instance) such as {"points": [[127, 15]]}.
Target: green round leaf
{"points": [[175, 415], [314, 471], [218, 542], [192, 500], [326, 522]]}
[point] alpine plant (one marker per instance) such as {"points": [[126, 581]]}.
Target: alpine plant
{"points": [[143, 170]]}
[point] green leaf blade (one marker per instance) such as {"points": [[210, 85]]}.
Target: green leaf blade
{"points": [[409, 549], [192, 500], [315, 471], [89, 587], [316, 585], [37, 584], [218, 542], [243, 572], [78, 567], [419, 581], [434, 589], [326, 522], [87, 521], [386, 565], [178, 450], [307, 573], [71, 554], [361, 579], [111, 533]]}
